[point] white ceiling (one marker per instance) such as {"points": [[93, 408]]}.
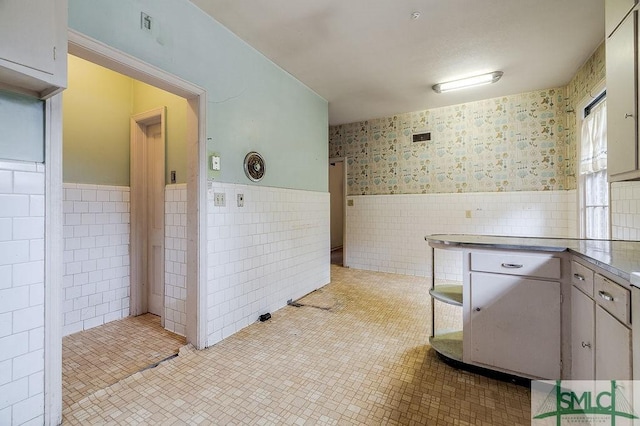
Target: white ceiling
{"points": [[370, 59]]}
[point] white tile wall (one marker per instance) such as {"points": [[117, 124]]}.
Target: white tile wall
{"points": [[386, 232], [96, 255], [175, 293], [625, 211], [273, 249], [21, 293]]}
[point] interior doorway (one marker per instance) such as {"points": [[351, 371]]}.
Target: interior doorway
{"points": [[194, 243], [337, 190], [148, 142]]}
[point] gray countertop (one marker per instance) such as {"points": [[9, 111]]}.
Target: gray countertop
{"points": [[620, 258]]}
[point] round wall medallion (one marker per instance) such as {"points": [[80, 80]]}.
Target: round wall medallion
{"points": [[254, 166]]}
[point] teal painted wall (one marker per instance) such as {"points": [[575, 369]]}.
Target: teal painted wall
{"points": [[21, 128], [252, 103]]}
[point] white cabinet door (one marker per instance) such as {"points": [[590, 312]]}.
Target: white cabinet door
{"points": [[582, 336], [515, 324], [622, 155], [613, 348], [27, 31], [33, 46], [614, 12]]}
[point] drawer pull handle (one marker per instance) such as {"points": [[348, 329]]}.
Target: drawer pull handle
{"points": [[586, 345], [578, 277], [627, 115], [512, 265], [606, 296]]}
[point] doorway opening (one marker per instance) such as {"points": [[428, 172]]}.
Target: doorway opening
{"points": [[103, 207], [148, 213], [337, 190]]}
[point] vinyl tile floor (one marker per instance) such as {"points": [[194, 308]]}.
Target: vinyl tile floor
{"points": [[102, 356], [354, 352]]}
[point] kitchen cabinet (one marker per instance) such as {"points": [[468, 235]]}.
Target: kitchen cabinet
{"points": [[615, 11], [514, 324], [600, 328], [512, 312], [582, 336], [33, 52], [622, 142], [548, 307]]}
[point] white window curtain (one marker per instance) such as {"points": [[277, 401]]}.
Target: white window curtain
{"points": [[593, 174], [593, 152]]}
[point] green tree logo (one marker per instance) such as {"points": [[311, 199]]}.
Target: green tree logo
{"points": [[566, 402]]}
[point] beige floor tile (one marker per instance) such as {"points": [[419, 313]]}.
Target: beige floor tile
{"points": [[354, 352], [95, 359]]}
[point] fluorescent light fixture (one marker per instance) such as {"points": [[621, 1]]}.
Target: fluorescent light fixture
{"points": [[477, 80]]}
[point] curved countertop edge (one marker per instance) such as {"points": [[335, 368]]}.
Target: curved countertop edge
{"points": [[618, 257]]}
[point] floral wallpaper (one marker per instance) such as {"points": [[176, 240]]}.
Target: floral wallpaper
{"points": [[523, 142], [582, 84], [513, 143]]}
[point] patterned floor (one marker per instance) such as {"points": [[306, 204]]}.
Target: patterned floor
{"points": [[354, 352], [97, 358]]}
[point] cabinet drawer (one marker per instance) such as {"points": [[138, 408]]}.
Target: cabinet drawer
{"points": [[543, 266], [582, 277], [612, 297]]}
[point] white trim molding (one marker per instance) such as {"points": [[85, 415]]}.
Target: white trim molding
{"points": [[101, 54], [53, 262]]}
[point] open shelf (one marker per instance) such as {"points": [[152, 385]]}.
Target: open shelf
{"points": [[448, 344], [448, 293]]}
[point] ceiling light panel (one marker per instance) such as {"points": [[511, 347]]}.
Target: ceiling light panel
{"points": [[477, 80]]}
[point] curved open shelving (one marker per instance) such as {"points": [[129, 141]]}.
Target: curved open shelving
{"points": [[448, 344], [448, 293]]}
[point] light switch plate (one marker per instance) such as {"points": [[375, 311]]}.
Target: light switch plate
{"points": [[218, 199], [215, 162]]}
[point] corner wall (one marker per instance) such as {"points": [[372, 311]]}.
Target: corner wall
{"points": [[259, 256], [22, 301]]}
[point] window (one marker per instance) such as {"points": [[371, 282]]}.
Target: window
{"points": [[593, 185]]}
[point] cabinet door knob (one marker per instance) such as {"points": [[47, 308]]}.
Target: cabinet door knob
{"points": [[511, 265], [586, 345], [628, 115], [606, 296], [578, 277], [478, 309]]}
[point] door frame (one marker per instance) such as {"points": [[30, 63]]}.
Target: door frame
{"points": [[101, 54], [138, 186], [343, 160]]}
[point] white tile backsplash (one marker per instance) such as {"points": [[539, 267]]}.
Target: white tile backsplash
{"points": [[625, 211], [96, 255], [386, 232], [273, 249], [175, 249], [21, 293]]}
